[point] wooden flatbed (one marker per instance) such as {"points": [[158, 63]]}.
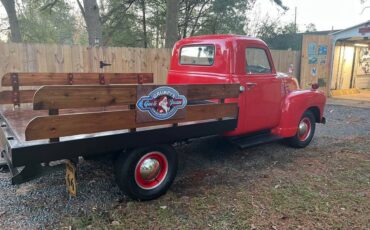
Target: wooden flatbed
{"points": [[61, 120]]}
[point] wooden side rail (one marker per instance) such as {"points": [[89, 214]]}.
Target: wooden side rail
{"points": [[8, 97], [39, 79], [68, 97], [17, 96], [74, 124], [53, 98]]}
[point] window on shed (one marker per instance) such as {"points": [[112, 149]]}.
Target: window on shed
{"points": [[257, 61], [197, 55]]}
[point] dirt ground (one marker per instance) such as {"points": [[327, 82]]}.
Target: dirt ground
{"points": [[218, 186]]}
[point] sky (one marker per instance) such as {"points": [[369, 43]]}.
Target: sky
{"points": [[325, 14]]}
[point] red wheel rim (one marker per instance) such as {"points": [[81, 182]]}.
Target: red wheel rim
{"points": [[304, 129], [151, 170]]}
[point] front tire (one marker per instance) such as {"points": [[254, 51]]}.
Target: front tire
{"points": [[305, 131], [146, 173]]}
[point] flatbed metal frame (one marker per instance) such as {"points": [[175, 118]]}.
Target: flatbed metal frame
{"points": [[19, 153]]}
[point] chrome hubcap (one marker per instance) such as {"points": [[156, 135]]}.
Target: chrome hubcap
{"points": [[150, 169], [302, 129]]}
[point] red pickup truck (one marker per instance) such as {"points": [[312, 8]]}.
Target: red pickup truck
{"points": [[217, 85], [269, 101]]}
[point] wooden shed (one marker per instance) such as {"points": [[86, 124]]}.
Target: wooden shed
{"points": [[351, 62], [339, 62]]}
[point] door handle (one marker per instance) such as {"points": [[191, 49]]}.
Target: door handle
{"points": [[250, 85]]}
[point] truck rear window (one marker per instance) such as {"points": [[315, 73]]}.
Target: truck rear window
{"points": [[197, 55]]}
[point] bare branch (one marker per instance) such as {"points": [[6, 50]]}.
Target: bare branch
{"points": [[105, 17], [81, 8], [363, 10], [49, 6]]}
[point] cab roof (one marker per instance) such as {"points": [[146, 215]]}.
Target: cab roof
{"points": [[217, 37]]}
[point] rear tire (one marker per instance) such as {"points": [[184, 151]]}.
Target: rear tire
{"points": [[146, 173], [305, 131]]}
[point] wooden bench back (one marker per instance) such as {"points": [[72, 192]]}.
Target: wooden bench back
{"points": [[17, 95], [54, 98]]}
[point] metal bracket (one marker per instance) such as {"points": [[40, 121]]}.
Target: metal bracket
{"points": [[70, 79], [4, 168], [140, 79], [101, 79], [15, 92]]}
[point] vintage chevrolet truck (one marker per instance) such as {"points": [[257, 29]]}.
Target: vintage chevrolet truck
{"points": [[217, 85]]}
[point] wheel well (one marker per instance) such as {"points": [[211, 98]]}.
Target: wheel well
{"points": [[316, 113]]}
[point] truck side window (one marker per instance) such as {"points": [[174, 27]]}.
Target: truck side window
{"points": [[257, 61], [197, 55]]}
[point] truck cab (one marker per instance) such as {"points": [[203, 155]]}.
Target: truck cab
{"points": [[269, 101]]}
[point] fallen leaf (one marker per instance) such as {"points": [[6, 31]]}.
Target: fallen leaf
{"points": [[284, 217], [115, 223]]}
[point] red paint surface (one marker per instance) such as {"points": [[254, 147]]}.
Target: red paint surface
{"points": [[271, 101]]}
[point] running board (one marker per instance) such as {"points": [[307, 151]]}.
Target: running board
{"points": [[253, 140]]}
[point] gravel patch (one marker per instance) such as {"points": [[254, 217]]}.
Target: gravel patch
{"points": [[44, 202]]}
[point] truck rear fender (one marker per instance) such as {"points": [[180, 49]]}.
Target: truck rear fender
{"points": [[293, 107]]}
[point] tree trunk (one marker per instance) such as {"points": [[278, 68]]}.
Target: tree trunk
{"points": [[9, 6], [171, 22], [186, 19], [143, 8], [90, 11]]}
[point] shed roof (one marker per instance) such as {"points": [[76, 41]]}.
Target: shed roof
{"points": [[367, 24]]}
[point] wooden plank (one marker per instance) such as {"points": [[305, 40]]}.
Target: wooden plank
{"points": [[39, 79], [63, 97], [212, 91], [25, 96], [74, 124]]}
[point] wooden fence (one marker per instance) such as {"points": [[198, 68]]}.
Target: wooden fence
{"points": [[284, 59], [19, 57]]}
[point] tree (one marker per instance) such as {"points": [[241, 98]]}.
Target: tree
{"points": [[171, 22], [135, 23], [143, 10], [223, 17], [46, 21], [15, 31], [290, 28], [90, 12], [366, 7], [310, 28], [123, 24]]}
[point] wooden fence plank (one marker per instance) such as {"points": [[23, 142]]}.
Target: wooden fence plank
{"points": [[74, 124]]}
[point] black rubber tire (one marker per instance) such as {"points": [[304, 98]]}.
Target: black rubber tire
{"points": [[295, 141], [125, 172]]}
